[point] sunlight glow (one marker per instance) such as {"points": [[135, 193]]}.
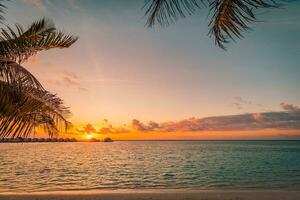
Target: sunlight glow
{"points": [[89, 136]]}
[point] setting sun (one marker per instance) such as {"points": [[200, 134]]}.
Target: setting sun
{"points": [[89, 136]]}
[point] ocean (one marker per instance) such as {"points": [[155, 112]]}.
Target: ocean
{"points": [[37, 167]]}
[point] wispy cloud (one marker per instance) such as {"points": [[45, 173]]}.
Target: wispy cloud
{"points": [[239, 102], [74, 5], [69, 79], [38, 4], [43, 5]]}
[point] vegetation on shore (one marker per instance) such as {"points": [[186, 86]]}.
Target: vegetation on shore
{"points": [[26, 140]]}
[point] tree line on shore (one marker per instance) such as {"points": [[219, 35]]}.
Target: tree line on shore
{"points": [[21, 139], [27, 140]]}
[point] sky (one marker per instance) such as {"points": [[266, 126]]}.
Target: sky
{"points": [[128, 81]]}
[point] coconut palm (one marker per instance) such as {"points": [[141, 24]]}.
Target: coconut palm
{"points": [[229, 18], [24, 104]]}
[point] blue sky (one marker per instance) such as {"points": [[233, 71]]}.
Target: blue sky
{"points": [[120, 70]]}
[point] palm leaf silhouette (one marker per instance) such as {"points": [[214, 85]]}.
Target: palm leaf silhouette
{"points": [[19, 45], [229, 18], [2, 8], [25, 105], [165, 12]]}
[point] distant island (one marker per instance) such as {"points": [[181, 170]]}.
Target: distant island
{"points": [[25, 140], [30, 140]]}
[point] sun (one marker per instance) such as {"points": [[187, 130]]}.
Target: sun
{"points": [[89, 136]]}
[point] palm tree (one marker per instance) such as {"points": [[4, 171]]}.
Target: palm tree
{"points": [[24, 104], [229, 18]]}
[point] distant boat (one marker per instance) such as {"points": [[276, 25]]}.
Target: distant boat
{"points": [[107, 140]]}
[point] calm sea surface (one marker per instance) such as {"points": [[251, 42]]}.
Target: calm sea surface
{"points": [[168, 164]]}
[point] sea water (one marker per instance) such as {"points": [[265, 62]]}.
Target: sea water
{"points": [[32, 167]]}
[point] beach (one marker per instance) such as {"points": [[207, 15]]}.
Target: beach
{"points": [[177, 194]]}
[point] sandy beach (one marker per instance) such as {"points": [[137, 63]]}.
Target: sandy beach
{"points": [[158, 195]]}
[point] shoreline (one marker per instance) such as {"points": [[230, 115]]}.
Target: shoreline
{"points": [[156, 194]]}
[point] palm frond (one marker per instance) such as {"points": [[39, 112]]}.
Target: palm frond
{"points": [[2, 8], [165, 12], [19, 45], [25, 105], [22, 111], [13, 73], [231, 17]]}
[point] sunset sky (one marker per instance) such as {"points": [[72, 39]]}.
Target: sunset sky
{"points": [[120, 75]]}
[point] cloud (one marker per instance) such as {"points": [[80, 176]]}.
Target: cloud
{"points": [[282, 120], [253, 121], [139, 126], [240, 102], [70, 75], [106, 128], [38, 4], [74, 5], [82, 89], [69, 79], [72, 80], [287, 119], [88, 128], [112, 130], [290, 107]]}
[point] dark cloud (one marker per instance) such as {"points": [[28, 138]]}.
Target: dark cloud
{"points": [[139, 126], [290, 107], [289, 119], [153, 125], [253, 121]]}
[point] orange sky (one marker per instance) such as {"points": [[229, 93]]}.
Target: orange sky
{"points": [[160, 79], [205, 135]]}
